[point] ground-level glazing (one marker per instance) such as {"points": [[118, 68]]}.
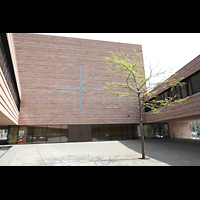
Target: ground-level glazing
{"points": [[82, 133]]}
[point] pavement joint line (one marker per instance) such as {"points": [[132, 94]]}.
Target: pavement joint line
{"points": [[11, 157], [41, 156]]}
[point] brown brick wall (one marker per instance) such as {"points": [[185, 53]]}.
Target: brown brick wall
{"points": [[179, 129], [46, 62], [188, 110]]}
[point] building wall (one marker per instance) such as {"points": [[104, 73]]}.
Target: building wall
{"points": [[179, 129], [9, 113], [188, 110], [46, 62], [14, 61], [80, 133]]}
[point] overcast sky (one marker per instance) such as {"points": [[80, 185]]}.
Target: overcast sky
{"points": [[172, 50]]}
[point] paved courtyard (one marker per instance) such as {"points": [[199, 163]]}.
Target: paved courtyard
{"points": [[162, 152]]}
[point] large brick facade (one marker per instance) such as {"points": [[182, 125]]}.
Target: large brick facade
{"points": [[52, 73], [47, 62]]}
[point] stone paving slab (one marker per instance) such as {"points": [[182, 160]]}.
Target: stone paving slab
{"points": [[162, 152], [111, 153]]}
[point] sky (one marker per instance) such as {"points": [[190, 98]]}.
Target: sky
{"points": [[169, 50]]}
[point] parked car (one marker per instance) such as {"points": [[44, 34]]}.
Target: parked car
{"points": [[193, 133], [198, 133], [157, 136]]}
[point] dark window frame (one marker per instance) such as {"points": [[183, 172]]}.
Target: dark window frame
{"points": [[188, 87]]}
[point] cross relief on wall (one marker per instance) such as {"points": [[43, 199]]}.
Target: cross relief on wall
{"points": [[80, 88]]}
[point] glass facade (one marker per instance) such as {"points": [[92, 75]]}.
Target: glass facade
{"points": [[155, 131], [105, 132], [37, 134], [100, 132], [191, 86], [195, 82], [12, 135], [127, 132], [64, 133], [3, 135]]}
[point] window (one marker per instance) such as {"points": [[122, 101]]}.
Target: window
{"points": [[13, 133], [169, 92], [95, 132], [29, 138], [53, 134], [39, 134], [195, 82], [165, 96], [173, 93], [22, 134], [3, 135], [178, 92], [104, 132], [127, 131], [189, 87], [64, 133], [116, 131], [183, 90], [156, 131]]}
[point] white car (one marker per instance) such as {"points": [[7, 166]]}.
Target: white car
{"points": [[193, 133]]}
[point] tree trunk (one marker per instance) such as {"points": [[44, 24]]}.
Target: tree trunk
{"points": [[141, 128]]}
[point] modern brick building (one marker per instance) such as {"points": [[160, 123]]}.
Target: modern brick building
{"points": [[50, 92]]}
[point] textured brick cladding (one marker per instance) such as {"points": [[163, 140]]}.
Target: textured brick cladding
{"points": [[46, 62]]}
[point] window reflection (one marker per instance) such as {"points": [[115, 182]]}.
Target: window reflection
{"points": [[104, 132], [155, 131], [100, 132], [95, 132], [22, 134], [53, 134], [183, 91], [116, 131], [29, 137], [3, 135], [178, 92], [195, 79], [13, 133], [39, 134], [127, 131], [64, 133]]}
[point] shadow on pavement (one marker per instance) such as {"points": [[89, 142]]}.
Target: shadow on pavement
{"points": [[175, 152]]}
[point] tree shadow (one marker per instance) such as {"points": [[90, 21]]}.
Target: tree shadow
{"points": [[175, 152]]}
